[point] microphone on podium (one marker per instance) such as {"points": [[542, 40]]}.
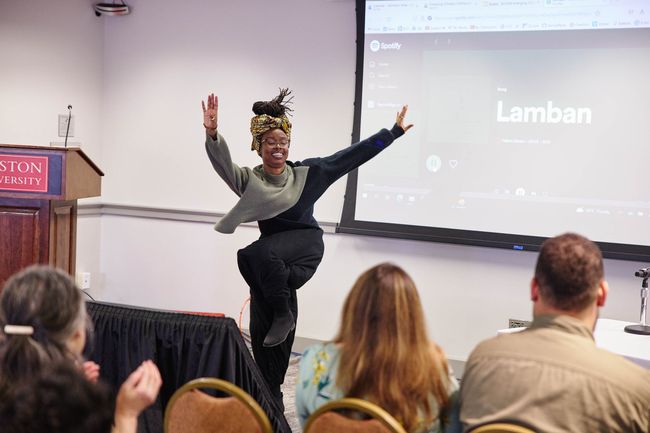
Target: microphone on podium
{"points": [[67, 131]]}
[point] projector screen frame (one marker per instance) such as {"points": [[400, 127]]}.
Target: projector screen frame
{"points": [[518, 242]]}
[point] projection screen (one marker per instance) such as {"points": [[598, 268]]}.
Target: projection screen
{"points": [[532, 118]]}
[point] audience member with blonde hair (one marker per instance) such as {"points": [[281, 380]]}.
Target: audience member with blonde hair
{"points": [[43, 321], [381, 354]]}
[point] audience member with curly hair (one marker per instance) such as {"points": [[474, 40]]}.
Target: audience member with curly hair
{"points": [[43, 322], [58, 399]]}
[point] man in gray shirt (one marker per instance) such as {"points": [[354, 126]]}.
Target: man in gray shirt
{"points": [[552, 376]]}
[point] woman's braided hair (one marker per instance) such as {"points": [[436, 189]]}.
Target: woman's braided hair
{"points": [[276, 107]]}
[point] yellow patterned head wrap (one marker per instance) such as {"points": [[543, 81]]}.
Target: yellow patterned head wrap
{"points": [[264, 122], [271, 115]]}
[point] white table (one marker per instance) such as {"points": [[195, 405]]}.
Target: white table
{"points": [[609, 335]]}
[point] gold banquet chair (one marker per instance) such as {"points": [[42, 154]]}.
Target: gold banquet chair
{"points": [[326, 420], [192, 411], [500, 427]]}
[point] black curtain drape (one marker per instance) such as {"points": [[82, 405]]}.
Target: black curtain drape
{"points": [[183, 346]]}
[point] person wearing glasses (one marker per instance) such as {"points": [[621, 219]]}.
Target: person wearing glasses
{"points": [[280, 194]]}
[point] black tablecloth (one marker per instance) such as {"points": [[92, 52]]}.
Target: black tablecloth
{"points": [[183, 346]]}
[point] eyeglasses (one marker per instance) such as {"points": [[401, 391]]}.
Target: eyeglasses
{"points": [[273, 142]]}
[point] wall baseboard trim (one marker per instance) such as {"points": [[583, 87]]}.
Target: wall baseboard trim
{"points": [[169, 214]]}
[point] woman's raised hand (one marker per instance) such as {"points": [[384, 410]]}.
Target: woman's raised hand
{"points": [[400, 119], [210, 112]]}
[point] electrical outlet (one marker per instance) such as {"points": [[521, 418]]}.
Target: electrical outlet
{"points": [[518, 323], [63, 125], [84, 280]]}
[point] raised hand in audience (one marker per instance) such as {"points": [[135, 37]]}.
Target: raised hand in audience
{"points": [[91, 371], [137, 393]]}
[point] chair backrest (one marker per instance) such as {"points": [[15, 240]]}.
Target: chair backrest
{"points": [[326, 420], [192, 411], [500, 427]]}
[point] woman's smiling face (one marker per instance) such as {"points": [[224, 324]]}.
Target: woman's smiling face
{"points": [[274, 151]]}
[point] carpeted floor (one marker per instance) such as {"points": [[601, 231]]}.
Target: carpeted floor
{"points": [[288, 389], [289, 394]]}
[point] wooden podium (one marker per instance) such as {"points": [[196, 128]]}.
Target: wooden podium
{"points": [[39, 188]]}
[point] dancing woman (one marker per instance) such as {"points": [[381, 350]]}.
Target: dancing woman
{"points": [[280, 196]]}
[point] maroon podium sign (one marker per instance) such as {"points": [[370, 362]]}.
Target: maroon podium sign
{"points": [[23, 173]]}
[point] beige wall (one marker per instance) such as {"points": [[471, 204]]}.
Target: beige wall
{"points": [[136, 82]]}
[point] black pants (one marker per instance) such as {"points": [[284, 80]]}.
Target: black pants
{"points": [[275, 267]]}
